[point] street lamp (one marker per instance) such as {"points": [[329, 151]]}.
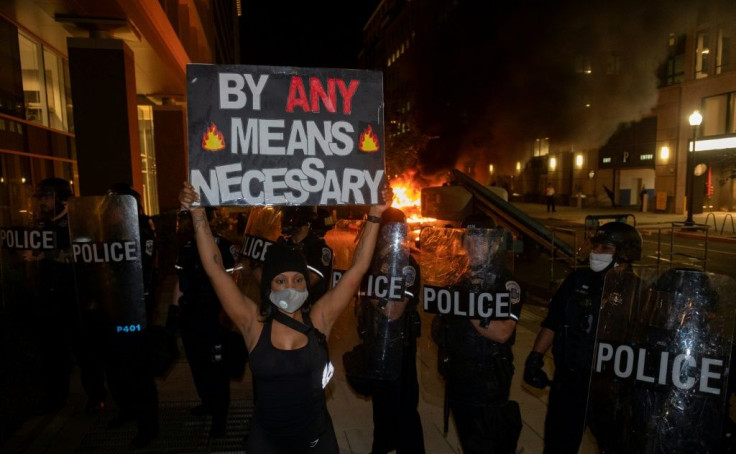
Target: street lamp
{"points": [[695, 119]]}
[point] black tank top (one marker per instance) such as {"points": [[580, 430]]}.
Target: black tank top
{"points": [[289, 398]]}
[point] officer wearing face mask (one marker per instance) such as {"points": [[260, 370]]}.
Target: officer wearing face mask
{"points": [[570, 329]]}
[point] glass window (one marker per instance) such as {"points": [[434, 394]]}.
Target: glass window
{"points": [[34, 92], [11, 83], [673, 70], [715, 110], [16, 187], [68, 97], [723, 53], [731, 121], [55, 94], [702, 54], [148, 159]]}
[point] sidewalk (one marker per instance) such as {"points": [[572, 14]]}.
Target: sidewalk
{"points": [[72, 431], [574, 215]]}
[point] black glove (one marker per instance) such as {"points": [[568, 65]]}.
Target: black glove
{"points": [[533, 373], [172, 319]]}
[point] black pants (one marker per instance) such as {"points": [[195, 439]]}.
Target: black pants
{"points": [[565, 422], [487, 430], [54, 349], [260, 441], [396, 423], [89, 348], [130, 379], [204, 345], [551, 203]]}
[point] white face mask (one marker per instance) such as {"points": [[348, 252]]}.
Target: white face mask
{"points": [[289, 299], [599, 262]]}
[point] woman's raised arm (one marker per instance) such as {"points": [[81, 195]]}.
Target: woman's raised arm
{"points": [[333, 303], [238, 307]]}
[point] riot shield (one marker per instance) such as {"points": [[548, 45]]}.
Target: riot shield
{"points": [[107, 259], [465, 273], [35, 263], [383, 299], [261, 231], [38, 312], [659, 381], [342, 239]]}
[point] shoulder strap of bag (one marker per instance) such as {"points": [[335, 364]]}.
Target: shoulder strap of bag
{"points": [[291, 323]]}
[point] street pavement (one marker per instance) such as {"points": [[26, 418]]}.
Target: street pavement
{"points": [[71, 430]]}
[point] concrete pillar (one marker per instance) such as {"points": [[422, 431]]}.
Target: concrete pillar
{"points": [[102, 75], [171, 154]]}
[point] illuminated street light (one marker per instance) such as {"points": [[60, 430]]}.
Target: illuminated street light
{"points": [[695, 120]]}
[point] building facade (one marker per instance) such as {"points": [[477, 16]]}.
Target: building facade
{"points": [[699, 74], [93, 91]]}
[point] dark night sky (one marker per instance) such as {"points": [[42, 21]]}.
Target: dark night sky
{"points": [[324, 33]]}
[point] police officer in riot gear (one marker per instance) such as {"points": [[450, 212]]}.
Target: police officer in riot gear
{"points": [[570, 329], [128, 363], [196, 310], [476, 359], [396, 422], [296, 229], [53, 296]]}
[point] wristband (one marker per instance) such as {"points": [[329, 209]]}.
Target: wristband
{"points": [[373, 219]]}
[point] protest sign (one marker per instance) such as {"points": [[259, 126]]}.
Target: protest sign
{"points": [[265, 135]]}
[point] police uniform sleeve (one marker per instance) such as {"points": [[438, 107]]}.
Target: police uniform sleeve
{"points": [[228, 252], [319, 258], [556, 306]]}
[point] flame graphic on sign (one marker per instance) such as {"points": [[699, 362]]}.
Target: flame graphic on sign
{"points": [[212, 139], [368, 141]]}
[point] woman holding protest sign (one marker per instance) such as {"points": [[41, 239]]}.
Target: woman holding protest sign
{"points": [[288, 359]]}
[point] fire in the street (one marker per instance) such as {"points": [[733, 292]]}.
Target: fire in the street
{"points": [[408, 198]]}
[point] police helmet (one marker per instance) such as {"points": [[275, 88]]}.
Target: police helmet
{"points": [[297, 216], [59, 187], [624, 237], [393, 215], [125, 189]]}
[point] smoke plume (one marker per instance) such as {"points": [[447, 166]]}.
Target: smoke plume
{"points": [[491, 79]]}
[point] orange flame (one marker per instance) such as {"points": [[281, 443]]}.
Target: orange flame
{"points": [[408, 198], [368, 141], [212, 139]]}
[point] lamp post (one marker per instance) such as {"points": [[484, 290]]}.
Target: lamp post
{"points": [[695, 119]]}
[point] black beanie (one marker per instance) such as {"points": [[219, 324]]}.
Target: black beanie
{"points": [[279, 258]]}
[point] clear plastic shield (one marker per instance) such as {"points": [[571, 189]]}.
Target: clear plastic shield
{"points": [[660, 373], [383, 301], [342, 239], [107, 259], [262, 230], [464, 271], [35, 263]]}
